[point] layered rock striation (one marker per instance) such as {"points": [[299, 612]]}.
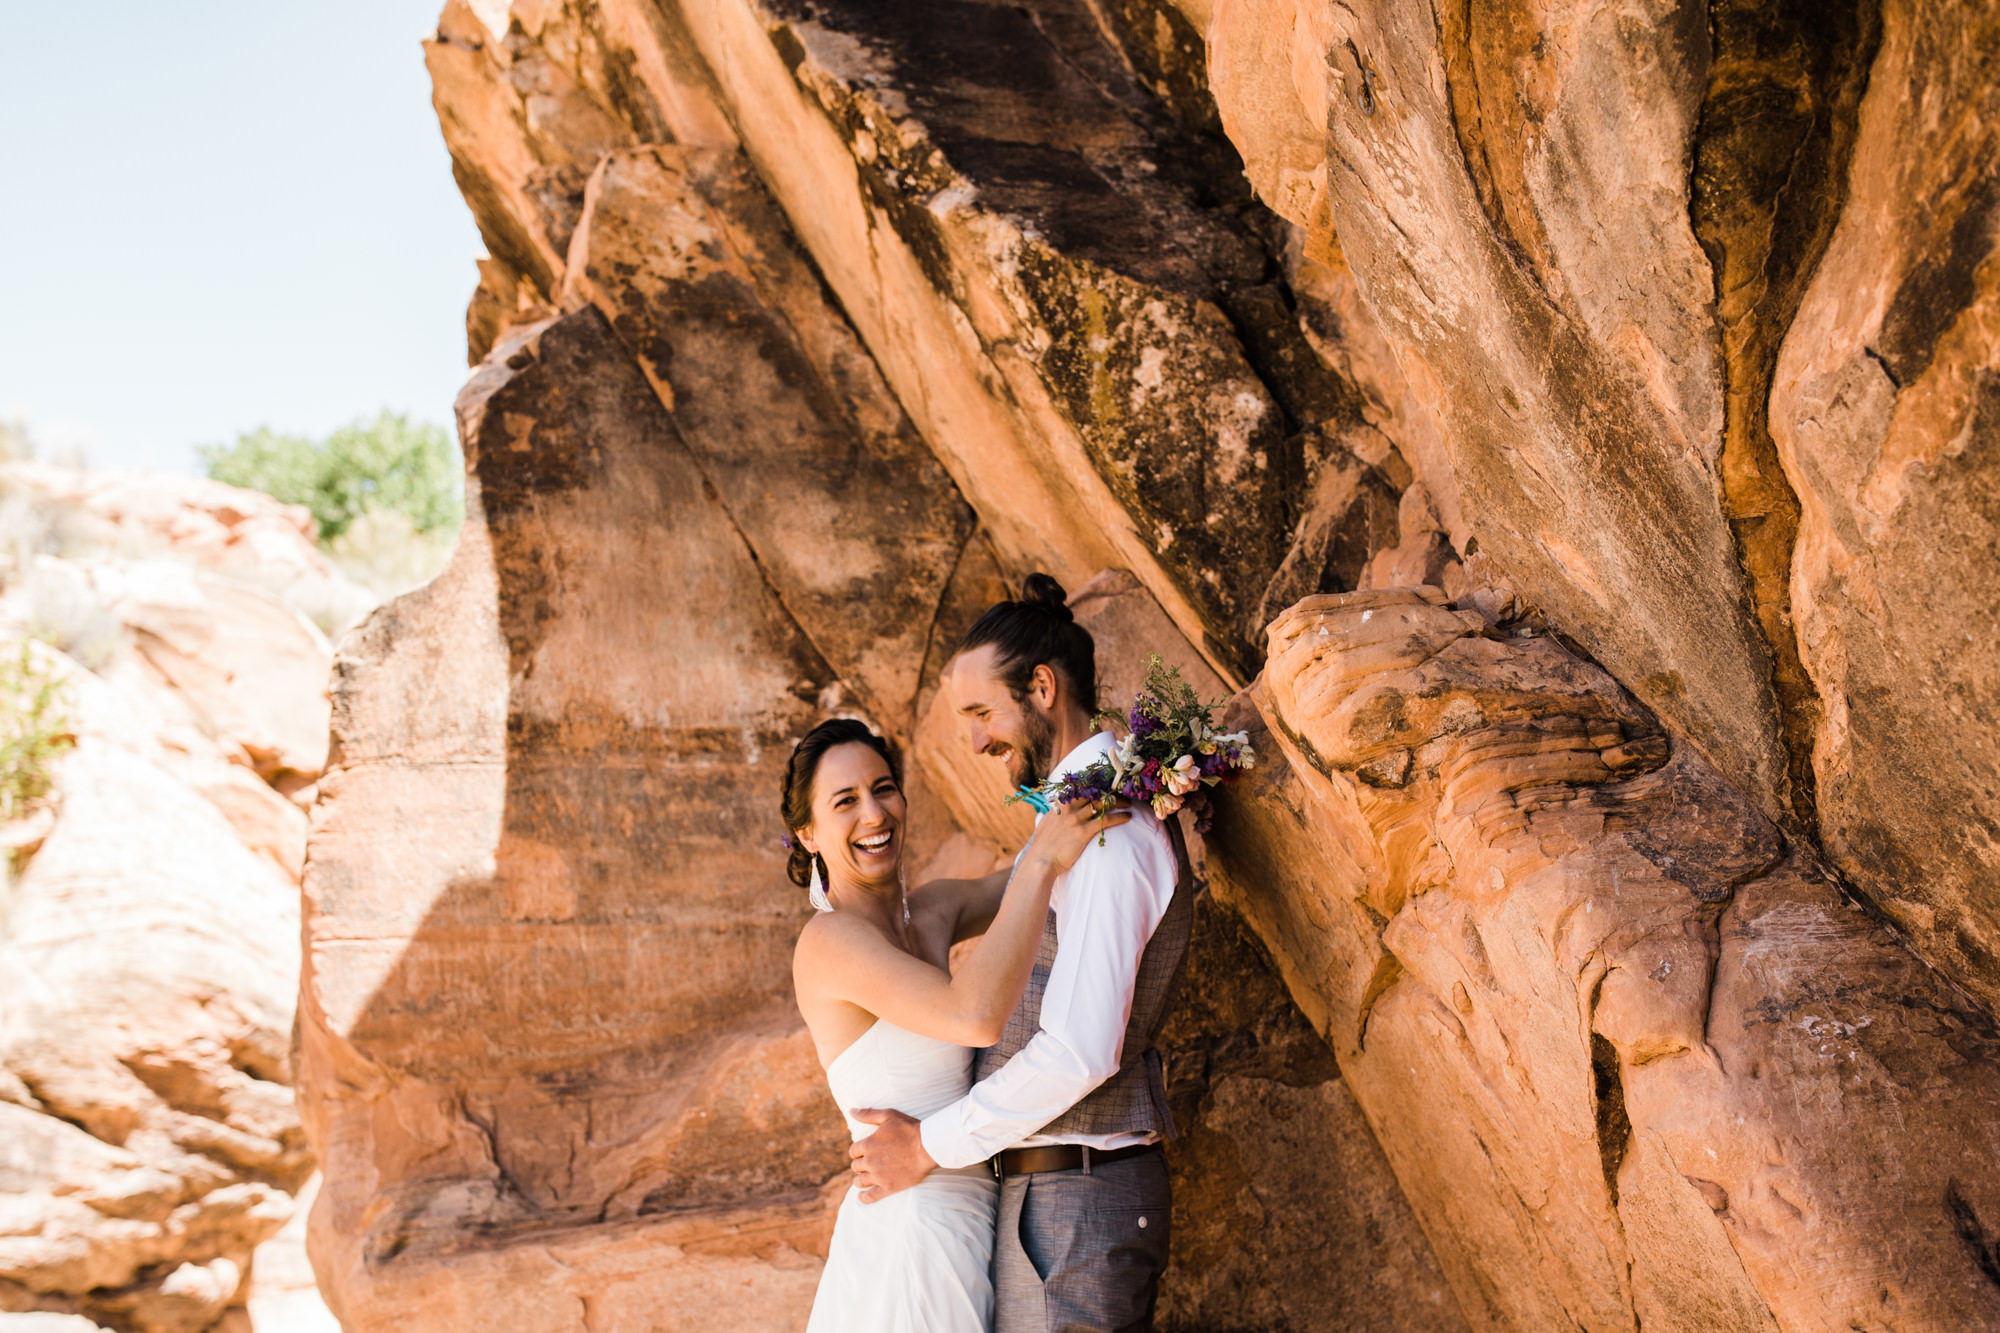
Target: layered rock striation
{"points": [[1559, 428], [1657, 271], [1689, 1083]]}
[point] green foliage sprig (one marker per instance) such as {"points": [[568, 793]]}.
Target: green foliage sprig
{"points": [[34, 730]]}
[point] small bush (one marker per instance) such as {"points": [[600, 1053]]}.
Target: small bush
{"points": [[390, 463], [34, 729]]}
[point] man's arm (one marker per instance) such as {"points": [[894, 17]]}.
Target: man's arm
{"points": [[1112, 900]]}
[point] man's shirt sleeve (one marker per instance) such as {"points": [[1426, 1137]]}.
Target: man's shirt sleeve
{"points": [[1112, 900]]}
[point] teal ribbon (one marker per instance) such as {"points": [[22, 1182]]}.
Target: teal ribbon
{"points": [[1035, 798]]}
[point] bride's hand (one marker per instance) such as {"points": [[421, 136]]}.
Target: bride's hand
{"points": [[1065, 831]]}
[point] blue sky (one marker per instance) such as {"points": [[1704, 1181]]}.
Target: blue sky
{"points": [[219, 215]]}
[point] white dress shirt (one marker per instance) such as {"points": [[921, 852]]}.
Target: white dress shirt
{"points": [[1107, 907]]}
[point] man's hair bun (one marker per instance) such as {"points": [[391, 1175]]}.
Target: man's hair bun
{"points": [[1036, 630], [1041, 591]]}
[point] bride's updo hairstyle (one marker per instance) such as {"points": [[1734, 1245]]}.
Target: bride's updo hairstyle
{"points": [[799, 775], [1038, 629]]}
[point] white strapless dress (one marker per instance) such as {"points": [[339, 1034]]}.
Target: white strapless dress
{"points": [[920, 1261]]}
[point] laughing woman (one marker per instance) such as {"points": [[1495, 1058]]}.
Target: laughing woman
{"points": [[896, 1028]]}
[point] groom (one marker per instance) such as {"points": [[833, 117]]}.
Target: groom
{"points": [[1070, 1105]]}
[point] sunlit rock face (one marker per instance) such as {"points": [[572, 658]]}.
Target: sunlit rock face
{"points": [[1073, 295], [1635, 1063], [1560, 431], [1884, 412], [1703, 299], [555, 1000], [149, 900]]}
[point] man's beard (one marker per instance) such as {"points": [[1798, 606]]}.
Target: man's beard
{"points": [[1036, 750]]}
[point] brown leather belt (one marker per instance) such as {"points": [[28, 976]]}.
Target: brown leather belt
{"points": [[1060, 1157]]}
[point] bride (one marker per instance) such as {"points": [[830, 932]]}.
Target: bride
{"points": [[894, 1025]]}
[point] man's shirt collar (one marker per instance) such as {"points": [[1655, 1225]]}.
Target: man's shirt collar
{"points": [[1097, 746]]}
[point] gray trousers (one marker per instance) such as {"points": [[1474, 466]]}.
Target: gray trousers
{"points": [[1082, 1251]]}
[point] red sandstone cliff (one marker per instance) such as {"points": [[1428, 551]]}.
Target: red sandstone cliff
{"points": [[1562, 423]]}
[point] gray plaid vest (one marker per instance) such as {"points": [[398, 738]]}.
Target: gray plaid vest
{"points": [[1134, 1099]]}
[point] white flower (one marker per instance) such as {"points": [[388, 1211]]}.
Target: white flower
{"points": [[1123, 757], [1165, 804]]}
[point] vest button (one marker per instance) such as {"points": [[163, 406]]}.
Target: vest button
{"points": [[1142, 1221]]}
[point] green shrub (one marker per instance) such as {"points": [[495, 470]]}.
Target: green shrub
{"points": [[390, 463], [34, 730]]}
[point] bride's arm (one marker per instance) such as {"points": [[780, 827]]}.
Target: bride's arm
{"points": [[978, 900], [841, 958]]}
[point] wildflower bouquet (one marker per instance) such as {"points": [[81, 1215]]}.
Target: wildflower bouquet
{"points": [[1170, 753]]}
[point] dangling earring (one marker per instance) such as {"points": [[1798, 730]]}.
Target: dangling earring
{"points": [[817, 892]]}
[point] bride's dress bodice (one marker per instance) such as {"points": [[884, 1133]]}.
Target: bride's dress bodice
{"points": [[896, 1069], [919, 1261]]}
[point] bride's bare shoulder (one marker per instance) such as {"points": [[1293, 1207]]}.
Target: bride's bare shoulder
{"points": [[831, 930], [833, 937]]}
